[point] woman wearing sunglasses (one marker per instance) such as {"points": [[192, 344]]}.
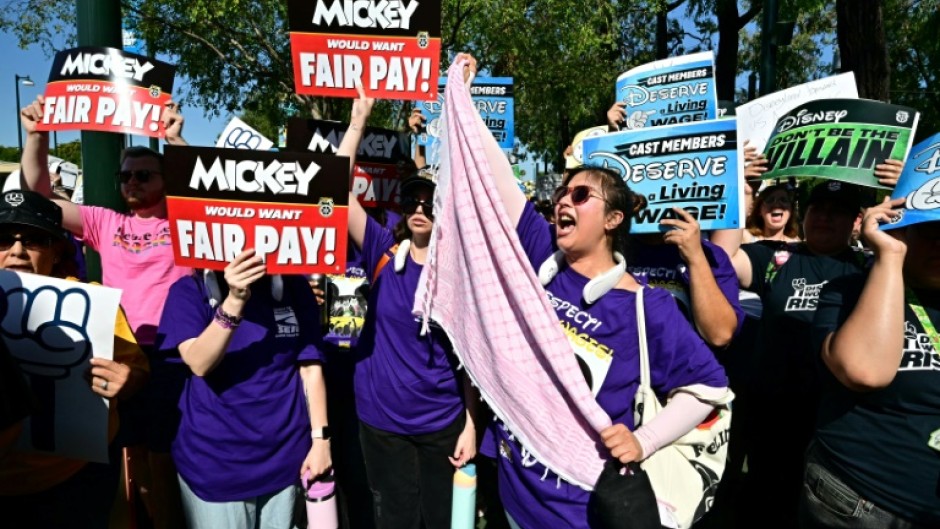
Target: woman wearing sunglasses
{"points": [[773, 217], [414, 408], [41, 490]]}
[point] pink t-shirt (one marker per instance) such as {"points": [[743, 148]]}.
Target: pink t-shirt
{"points": [[137, 257]]}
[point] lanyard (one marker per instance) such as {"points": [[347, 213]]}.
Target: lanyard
{"points": [[924, 319]]}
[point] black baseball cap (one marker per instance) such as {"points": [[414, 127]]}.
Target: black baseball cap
{"points": [[26, 208], [411, 185], [846, 195]]}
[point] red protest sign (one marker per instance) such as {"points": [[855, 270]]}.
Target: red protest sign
{"points": [[290, 207], [391, 47], [108, 90], [375, 185]]}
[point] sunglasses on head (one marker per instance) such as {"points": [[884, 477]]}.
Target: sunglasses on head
{"points": [[579, 194], [410, 204], [142, 175], [31, 241]]}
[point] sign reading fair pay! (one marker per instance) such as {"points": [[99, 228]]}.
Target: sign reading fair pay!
{"points": [[290, 207], [107, 90], [391, 47]]}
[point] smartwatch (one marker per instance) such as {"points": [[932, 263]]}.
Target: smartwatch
{"points": [[320, 433]]}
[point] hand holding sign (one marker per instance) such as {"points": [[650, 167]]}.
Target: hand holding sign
{"points": [[245, 269], [638, 119], [173, 123], [31, 115], [889, 172], [884, 243], [108, 377], [686, 235], [416, 121], [616, 115]]}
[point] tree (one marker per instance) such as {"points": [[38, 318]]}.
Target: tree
{"points": [[914, 53], [862, 46]]}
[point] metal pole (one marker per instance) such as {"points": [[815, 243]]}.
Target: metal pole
{"points": [[99, 24], [768, 48], [19, 124]]}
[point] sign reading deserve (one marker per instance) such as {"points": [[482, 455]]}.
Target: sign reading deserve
{"points": [[289, 207], [375, 176], [694, 166], [493, 98], [840, 139], [108, 90], [669, 91], [391, 47]]}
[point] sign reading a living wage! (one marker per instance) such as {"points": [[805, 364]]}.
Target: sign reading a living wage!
{"points": [[290, 207], [840, 139], [375, 176], [669, 91], [391, 47], [694, 166], [108, 90]]}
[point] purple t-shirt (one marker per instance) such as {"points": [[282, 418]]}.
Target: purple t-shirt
{"points": [[607, 346], [245, 429], [661, 265], [405, 383]]}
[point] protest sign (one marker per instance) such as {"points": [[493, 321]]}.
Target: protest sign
{"points": [[669, 91], [289, 207], [347, 306], [107, 90], [694, 166], [756, 119], [391, 47], [493, 98], [840, 139], [375, 176], [52, 328], [239, 135], [576, 158], [919, 185]]}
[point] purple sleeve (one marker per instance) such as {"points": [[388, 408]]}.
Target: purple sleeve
{"points": [[376, 242], [678, 355], [185, 315], [308, 315], [726, 278], [536, 234]]}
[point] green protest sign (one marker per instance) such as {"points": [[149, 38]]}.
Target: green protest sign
{"points": [[840, 139]]}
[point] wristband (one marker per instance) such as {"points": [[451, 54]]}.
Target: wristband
{"points": [[226, 320]]}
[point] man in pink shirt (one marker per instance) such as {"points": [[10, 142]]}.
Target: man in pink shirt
{"points": [[136, 257]]}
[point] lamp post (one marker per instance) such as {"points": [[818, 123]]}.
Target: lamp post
{"points": [[19, 126]]}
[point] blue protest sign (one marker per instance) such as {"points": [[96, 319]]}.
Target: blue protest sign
{"points": [[669, 91], [493, 98], [694, 166], [919, 185]]}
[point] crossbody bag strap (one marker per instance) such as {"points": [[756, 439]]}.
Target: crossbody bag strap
{"points": [[641, 332]]}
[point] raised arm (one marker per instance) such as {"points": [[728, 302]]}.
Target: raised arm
{"points": [[203, 353], [34, 166], [730, 242], [865, 352], [712, 313], [173, 124], [513, 198], [361, 109], [416, 124]]}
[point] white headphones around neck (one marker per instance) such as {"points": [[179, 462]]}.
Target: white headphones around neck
{"points": [[401, 255], [596, 287]]}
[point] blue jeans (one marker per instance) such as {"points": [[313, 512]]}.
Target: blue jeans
{"points": [[270, 511], [828, 503]]}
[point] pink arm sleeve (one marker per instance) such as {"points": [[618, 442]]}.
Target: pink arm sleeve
{"points": [[678, 417]]}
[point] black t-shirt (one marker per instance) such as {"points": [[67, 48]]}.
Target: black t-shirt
{"points": [[15, 397], [788, 278], [877, 440]]}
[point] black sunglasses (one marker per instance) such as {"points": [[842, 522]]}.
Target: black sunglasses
{"points": [[579, 194], [142, 175], [410, 204], [32, 241]]}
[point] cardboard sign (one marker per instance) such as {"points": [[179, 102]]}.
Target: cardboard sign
{"points": [[669, 91], [694, 166], [492, 96], [107, 90], [840, 139], [239, 135], [289, 207], [391, 47], [919, 185], [756, 119], [52, 328], [348, 302], [375, 176]]}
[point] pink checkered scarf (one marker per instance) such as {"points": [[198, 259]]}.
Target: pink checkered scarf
{"points": [[480, 287]]}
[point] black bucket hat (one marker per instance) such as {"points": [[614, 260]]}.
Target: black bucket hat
{"points": [[26, 208]]}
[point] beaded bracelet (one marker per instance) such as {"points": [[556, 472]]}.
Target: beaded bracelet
{"points": [[226, 320]]}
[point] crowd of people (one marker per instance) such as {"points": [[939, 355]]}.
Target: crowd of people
{"points": [[227, 386]]}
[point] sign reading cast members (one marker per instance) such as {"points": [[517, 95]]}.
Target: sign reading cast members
{"points": [[52, 328], [840, 139], [107, 90], [375, 176], [694, 166], [493, 98], [391, 47], [289, 207], [669, 91], [919, 185]]}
